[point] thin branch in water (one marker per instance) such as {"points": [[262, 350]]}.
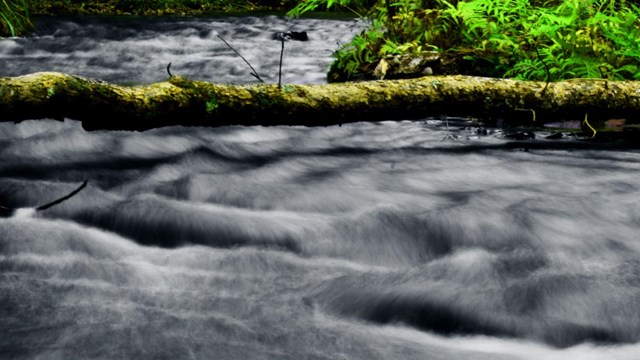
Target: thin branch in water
{"points": [[282, 37], [66, 197], [280, 68], [9, 212], [449, 135], [169, 70], [254, 73]]}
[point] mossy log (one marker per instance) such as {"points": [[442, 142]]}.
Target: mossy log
{"points": [[180, 101]]}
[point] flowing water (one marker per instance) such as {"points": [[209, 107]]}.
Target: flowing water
{"points": [[134, 51], [392, 240]]}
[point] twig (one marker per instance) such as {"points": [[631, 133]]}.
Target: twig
{"points": [[449, 134], [546, 68], [280, 68], [58, 201], [169, 70], [254, 73], [9, 212], [533, 112], [589, 125]]}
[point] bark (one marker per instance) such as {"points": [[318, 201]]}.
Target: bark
{"points": [[180, 101]]}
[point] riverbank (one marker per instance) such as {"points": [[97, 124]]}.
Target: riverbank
{"points": [[153, 7]]}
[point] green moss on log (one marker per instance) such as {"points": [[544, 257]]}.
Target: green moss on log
{"points": [[181, 101]]}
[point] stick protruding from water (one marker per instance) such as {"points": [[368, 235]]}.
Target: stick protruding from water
{"points": [[253, 73], [58, 201]]}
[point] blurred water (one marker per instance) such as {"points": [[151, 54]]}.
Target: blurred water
{"points": [[126, 50], [372, 241], [393, 240]]}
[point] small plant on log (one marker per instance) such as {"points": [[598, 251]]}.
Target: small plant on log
{"points": [[211, 105]]}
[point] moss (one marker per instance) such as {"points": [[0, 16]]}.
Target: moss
{"points": [[187, 102]]}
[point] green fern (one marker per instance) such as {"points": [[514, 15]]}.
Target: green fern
{"points": [[519, 38]]}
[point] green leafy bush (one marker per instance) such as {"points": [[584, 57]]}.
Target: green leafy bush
{"points": [[513, 38]]}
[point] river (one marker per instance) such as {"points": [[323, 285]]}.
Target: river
{"points": [[389, 240]]}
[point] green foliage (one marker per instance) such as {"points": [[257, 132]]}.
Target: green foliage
{"points": [[356, 6], [365, 48], [516, 38], [584, 39], [14, 18], [211, 105]]}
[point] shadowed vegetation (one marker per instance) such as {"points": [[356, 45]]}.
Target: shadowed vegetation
{"points": [[153, 7], [14, 18], [15, 14]]}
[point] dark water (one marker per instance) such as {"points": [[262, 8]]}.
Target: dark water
{"points": [[366, 241]]}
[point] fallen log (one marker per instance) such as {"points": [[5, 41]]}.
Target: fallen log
{"points": [[181, 101]]}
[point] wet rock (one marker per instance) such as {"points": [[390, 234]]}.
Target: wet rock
{"points": [[408, 66], [290, 35], [381, 69], [392, 67], [554, 136], [521, 135], [615, 123]]}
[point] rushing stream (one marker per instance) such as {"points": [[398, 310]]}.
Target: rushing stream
{"points": [[392, 240], [134, 51]]}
